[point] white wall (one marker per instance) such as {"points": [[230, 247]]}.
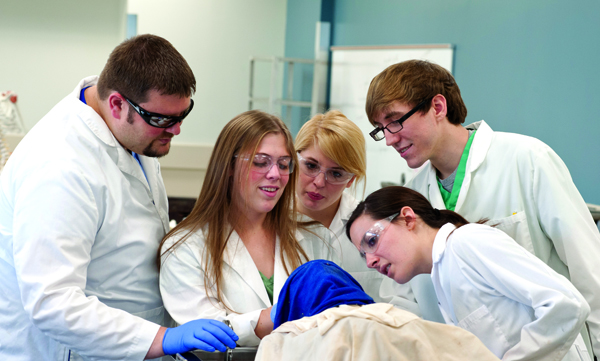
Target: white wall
{"points": [[46, 47], [217, 38]]}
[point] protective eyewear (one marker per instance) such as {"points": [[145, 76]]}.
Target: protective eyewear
{"points": [[396, 125], [262, 163], [332, 175], [370, 241], [159, 120]]}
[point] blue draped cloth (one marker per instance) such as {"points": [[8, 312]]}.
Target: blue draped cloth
{"points": [[314, 287]]}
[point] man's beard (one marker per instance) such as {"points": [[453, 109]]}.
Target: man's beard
{"points": [[151, 152], [148, 151]]}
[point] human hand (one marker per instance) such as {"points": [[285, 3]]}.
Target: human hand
{"points": [[202, 334]]}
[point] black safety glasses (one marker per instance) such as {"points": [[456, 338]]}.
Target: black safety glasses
{"points": [[159, 120]]}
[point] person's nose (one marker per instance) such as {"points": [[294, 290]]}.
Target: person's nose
{"points": [[174, 129], [273, 172], [391, 138], [319, 180], [372, 260]]}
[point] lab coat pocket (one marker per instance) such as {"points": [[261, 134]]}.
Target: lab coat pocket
{"points": [[578, 351], [482, 324], [516, 227]]}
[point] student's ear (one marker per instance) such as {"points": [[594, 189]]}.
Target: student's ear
{"points": [[117, 105], [439, 106], [409, 217], [351, 181]]}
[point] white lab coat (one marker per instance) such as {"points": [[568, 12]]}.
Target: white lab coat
{"points": [[186, 299], [522, 186], [79, 234], [514, 303], [348, 256]]}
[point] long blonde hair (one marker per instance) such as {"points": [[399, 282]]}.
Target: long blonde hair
{"points": [[339, 139], [241, 135]]}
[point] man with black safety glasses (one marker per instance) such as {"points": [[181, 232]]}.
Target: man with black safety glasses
{"points": [[83, 209]]}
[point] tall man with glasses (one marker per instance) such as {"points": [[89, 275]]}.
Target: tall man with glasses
{"points": [[82, 211], [516, 182]]}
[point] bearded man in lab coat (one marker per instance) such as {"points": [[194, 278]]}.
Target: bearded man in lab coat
{"points": [[515, 181], [82, 211]]}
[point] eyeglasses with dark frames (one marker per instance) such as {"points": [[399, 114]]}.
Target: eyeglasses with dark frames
{"points": [[159, 120], [396, 126]]}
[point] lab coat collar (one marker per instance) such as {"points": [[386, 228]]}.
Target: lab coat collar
{"points": [[437, 254], [124, 159], [89, 116], [480, 146], [347, 205], [477, 154], [439, 243]]}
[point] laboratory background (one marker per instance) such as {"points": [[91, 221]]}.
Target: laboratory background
{"points": [[528, 67]]}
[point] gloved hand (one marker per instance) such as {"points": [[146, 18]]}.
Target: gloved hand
{"points": [[202, 334], [273, 312]]}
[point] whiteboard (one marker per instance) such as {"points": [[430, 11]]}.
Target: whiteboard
{"points": [[352, 70]]}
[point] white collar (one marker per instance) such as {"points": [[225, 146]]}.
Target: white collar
{"points": [[439, 243]]}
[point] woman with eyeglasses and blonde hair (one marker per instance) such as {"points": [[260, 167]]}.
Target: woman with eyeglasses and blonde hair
{"points": [[485, 282], [332, 161], [230, 257]]}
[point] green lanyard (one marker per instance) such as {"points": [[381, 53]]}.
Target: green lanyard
{"points": [[450, 198]]}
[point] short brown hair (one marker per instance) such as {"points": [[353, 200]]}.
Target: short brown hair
{"points": [[146, 62], [410, 82]]}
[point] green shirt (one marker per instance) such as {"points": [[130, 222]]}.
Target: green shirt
{"points": [[450, 198], [268, 285]]}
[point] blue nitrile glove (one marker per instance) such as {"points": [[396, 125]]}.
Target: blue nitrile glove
{"points": [[273, 312], [202, 334]]}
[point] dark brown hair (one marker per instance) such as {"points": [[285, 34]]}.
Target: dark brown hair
{"points": [[389, 200], [142, 63], [410, 82]]}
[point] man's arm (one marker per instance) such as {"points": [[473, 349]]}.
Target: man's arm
{"points": [[566, 220]]}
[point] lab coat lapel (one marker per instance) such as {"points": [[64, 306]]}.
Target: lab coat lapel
{"points": [[124, 160], [477, 153], [152, 169], [238, 258], [280, 276]]}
